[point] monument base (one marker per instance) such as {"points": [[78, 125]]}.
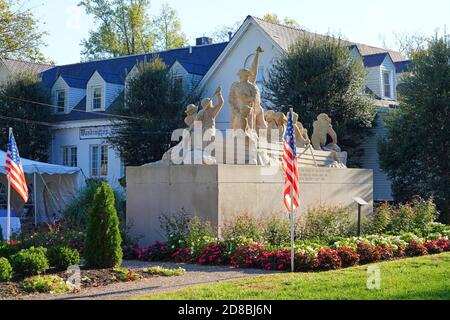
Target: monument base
{"points": [[219, 193]]}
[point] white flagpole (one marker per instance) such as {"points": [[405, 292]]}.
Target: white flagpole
{"points": [[8, 217], [292, 220]]}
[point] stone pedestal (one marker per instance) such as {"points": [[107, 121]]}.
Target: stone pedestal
{"points": [[220, 192]]}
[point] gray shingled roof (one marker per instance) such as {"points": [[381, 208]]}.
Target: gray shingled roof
{"points": [[287, 36], [17, 67]]}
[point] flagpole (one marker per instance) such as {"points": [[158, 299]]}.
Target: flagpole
{"points": [[8, 210], [292, 219]]}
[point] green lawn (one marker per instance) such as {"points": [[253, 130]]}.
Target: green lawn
{"points": [[416, 278]]}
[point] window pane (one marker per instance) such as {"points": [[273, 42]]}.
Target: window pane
{"points": [[104, 161], [61, 101], [387, 84], [94, 161], [65, 157], [73, 157], [97, 98]]}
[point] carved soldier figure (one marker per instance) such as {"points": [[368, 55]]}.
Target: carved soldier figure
{"points": [[191, 114], [246, 93], [301, 134], [323, 128], [210, 111]]}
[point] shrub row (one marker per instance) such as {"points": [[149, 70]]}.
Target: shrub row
{"points": [[257, 255]]}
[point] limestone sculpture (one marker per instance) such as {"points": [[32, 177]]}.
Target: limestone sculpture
{"points": [[207, 116], [245, 93], [322, 129], [301, 134]]}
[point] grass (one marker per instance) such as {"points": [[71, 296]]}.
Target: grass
{"points": [[408, 279]]}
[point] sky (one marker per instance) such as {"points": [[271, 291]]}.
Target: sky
{"points": [[366, 21]]}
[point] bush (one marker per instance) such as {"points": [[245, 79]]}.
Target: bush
{"points": [[385, 253], [46, 284], [7, 250], [30, 262], [276, 231], [214, 254], [102, 248], [415, 249], [305, 262], [125, 275], [243, 226], [381, 218], [61, 257], [164, 272], [275, 260], [325, 224], [349, 257], [181, 255], [159, 251], [247, 256], [433, 247], [231, 245], [444, 244], [5, 270], [329, 259], [368, 253], [176, 228]]}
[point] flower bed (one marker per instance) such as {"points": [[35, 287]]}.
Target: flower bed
{"points": [[312, 257]]}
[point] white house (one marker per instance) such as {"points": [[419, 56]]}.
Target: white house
{"points": [[86, 96], [383, 68]]}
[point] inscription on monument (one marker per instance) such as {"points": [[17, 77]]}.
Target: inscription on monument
{"points": [[313, 175]]}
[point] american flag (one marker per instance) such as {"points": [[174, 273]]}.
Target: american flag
{"points": [[290, 167], [14, 170]]}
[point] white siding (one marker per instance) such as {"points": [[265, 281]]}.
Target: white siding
{"points": [[59, 85], [111, 93], [373, 80], [381, 183], [226, 73], [73, 95], [95, 81]]}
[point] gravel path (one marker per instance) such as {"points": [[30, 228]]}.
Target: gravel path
{"points": [[195, 274]]}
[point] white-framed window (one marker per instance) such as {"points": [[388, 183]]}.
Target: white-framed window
{"points": [[99, 160], [60, 101], [70, 156], [387, 85], [97, 96]]}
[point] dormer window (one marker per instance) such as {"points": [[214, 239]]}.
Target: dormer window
{"points": [[387, 85], [97, 98], [60, 101]]}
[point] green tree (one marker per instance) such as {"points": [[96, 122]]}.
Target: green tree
{"points": [[20, 37], [168, 29], [28, 120], [124, 28], [318, 75], [103, 242], [416, 152], [151, 115], [273, 17]]}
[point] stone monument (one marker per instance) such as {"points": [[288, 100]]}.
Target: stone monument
{"points": [[218, 175]]}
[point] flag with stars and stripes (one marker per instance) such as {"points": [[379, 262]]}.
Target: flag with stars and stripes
{"points": [[14, 170], [290, 167]]}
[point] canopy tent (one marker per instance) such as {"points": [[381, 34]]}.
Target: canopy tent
{"points": [[51, 188]]}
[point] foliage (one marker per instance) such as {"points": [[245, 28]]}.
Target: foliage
{"points": [[175, 227], [30, 262], [164, 272], [157, 252], [5, 270], [368, 253], [247, 256], [102, 247], [304, 262], [349, 257], [28, 131], [416, 216], [276, 230], [125, 28], [145, 133], [273, 18], [20, 37], [318, 75], [182, 255], [7, 250], [329, 259], [200, 235], [433, 247], [62, 233], [325, 223], [46, 284], [62, 257], [243, 226], [125, 275], [167, 27], [275, 260], [415, 153], [415, 249], [77, 210], [214, 254]]}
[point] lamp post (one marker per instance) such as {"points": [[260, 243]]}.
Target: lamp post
{"points": [[361, 202]]}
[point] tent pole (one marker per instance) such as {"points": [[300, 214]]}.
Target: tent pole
{"points": [[35, 199]]}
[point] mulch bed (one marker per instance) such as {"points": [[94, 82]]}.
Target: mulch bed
{"points": [[89, 279]]}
